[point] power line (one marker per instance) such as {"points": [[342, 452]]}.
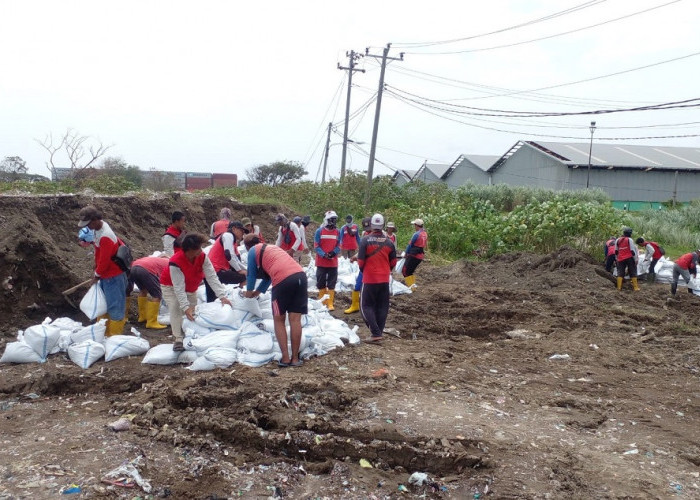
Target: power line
{"points": [[335, 97]]}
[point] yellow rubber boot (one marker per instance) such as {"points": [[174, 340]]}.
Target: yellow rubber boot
{"points": [[321, 293], [115, 327], [355, 305], [152, 315], [619, 283], [410, 281], [143, 314], [331, 300], [635, 285]]}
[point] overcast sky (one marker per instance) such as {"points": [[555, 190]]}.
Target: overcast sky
{"points": [[222, 86]]}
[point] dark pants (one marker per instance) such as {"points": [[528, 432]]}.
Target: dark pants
{"points": [[629, 265], [410, 265], [229, 277], [326, 277], [652, 266], [609, 263], [374, 306]]}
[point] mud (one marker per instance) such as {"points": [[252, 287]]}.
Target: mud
{"points": [[467, 393]]}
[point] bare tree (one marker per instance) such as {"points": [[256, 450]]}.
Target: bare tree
{"points": [[12, 168], [80, 151]]}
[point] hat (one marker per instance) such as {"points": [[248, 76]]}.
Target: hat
{"points": [[296, 220], [280, 218], [87, 214], [377, 221], [238, 224], [329, 215], [348, 218], [366, 222], [306, 220], [417, 222], [246, 221], [390, 225]]}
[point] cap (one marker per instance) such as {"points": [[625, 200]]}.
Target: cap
{"points": [[238, 224], [377, 221], [246, 221], [296, 220], [417, 222], [329, 215], [306, 220], [390, 225], [280, 218], [87, 214], [366, 222]]}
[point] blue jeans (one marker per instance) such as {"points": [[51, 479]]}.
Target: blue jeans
{"points": [[115, 294]]}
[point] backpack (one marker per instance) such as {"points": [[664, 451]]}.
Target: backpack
{"points": [[123, 257], [661, 249]]}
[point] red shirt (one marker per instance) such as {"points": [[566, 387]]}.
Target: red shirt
{"points": [[106, 245], [327, 240], [624, 249], [217, 254], [376, 258], [220, 226], [688, 261], [153, 265], [349, 237], [193, 271], [288, 234]]}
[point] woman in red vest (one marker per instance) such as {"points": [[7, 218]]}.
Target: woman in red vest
{"points": [[627, 258], [685, 265], [219, 227], [182, 277]]}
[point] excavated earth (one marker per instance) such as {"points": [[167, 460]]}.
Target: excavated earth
{"points": [[466, 392]]}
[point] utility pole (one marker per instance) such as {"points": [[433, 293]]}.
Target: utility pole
{"points": [[352, 57], [325, 160], [373, 149]]}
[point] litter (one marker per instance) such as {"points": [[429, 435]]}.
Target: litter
{"points": [[418, 479], [564, 357], [126, 475]]}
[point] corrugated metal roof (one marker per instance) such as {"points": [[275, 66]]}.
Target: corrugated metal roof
{"points": [[621, 155], [438, 169], [484, 162]]}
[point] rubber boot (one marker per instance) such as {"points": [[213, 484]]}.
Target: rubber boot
{"points": [[674, 287], [143, 314], [355, 305], [619, 283], [635, 285], [651, 277], [321, 293], [410, 281], [115, 327], [331, 299], [152, 315]]}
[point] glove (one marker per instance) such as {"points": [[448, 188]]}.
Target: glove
{"points": [[328, 255]]}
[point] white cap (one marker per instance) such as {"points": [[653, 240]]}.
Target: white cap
{"points": [[377, 221], [329, 215], [417, 222]]}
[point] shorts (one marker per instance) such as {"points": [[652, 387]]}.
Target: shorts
{"points": [[146, 281], [290, 295]]}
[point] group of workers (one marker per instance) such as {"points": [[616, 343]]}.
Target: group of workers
{"points": [[177, 273], [623, 253]]}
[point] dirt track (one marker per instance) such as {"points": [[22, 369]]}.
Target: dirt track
{"points": [[471, 396]]}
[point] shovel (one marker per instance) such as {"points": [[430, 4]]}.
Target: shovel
{"points": [[66, 293]]}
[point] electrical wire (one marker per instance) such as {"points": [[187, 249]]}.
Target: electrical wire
{"points": [[335, 97]]}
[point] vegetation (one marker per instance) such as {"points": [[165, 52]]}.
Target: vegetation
{"points": [[677, 230], [276, 174]]}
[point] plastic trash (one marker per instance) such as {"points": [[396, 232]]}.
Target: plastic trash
{"points": [[73, 488], [127, 469], [418, 479], [365, 463], [564, 357]]}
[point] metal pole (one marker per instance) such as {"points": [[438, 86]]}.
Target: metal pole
{"points": [[590, 151], [325, 160], [347, 114], [375, 130]]}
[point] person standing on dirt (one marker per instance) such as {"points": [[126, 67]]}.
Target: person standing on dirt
{"points": [[303, 247], [220, 226], [112, 280], [349, 238], [288, 236], [355, 300], [173, 233], [180, 280], [289, 292], [327, 248], [415, 252], [685, 265], [391, 232], [226, 258], [627, 258], [252, 228], [145, 274], [610, 257], [652, 253], [376, 258]]}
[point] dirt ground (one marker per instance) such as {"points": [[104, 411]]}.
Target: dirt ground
{"points": [[467, 393]]}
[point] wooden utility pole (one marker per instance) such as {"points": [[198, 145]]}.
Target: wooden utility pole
{"points": [[373, 149], [352, 57], [325, 160]]}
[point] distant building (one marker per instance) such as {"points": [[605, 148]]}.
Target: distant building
{"points": [[402, 176], [161, 180]]}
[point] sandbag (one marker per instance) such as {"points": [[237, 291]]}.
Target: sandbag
{"points": [[67, 324], [254, 359], [162, 354], [20, 352], [187, 357], [94, 332], [221, 338], [222, 357], [244, 304], [63, 342], [84, 354], [94, 303], [214, 315], [258, 341], [399, 265], [201, 364], [42, 338], [120, 346], [194, 329]]}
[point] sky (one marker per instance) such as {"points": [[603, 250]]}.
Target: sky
{"points": [[223, 86]]}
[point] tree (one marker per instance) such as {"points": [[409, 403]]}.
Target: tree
{"points": [[12, 168], [115, 166], [157, 180], [81, 151], [276, 173]]}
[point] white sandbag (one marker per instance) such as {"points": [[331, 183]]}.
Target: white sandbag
{"points": [[94, 303], [312, 351], [67, 324], [194, 329], [214, 315], [63, 342], [255, 359], [201, 294], [304, 344], [267, 325], [398, 288], [327, 341], [187, 357], [42, 338], [354, 338], [244, 304], [201, 364], [221, 356], [84, 354], [94, 332], [220, 338], [120, 346], [335, 327], [162, 354], [399, 265], [258, 341], [19, 352]]}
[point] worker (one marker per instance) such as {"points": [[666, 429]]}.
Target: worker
{"points": [[145, 274], [327, 248], [173, 233], [609, 250], [252, 228], [355, 300], [652, 253], [289, 292], [415, 252], [111, 278], [303, 247], [180, 280], [627, 258], [685, 265], [376, 258], [391, 232], [288, 236], [349, 238], [220, 226], [226, 258]]}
